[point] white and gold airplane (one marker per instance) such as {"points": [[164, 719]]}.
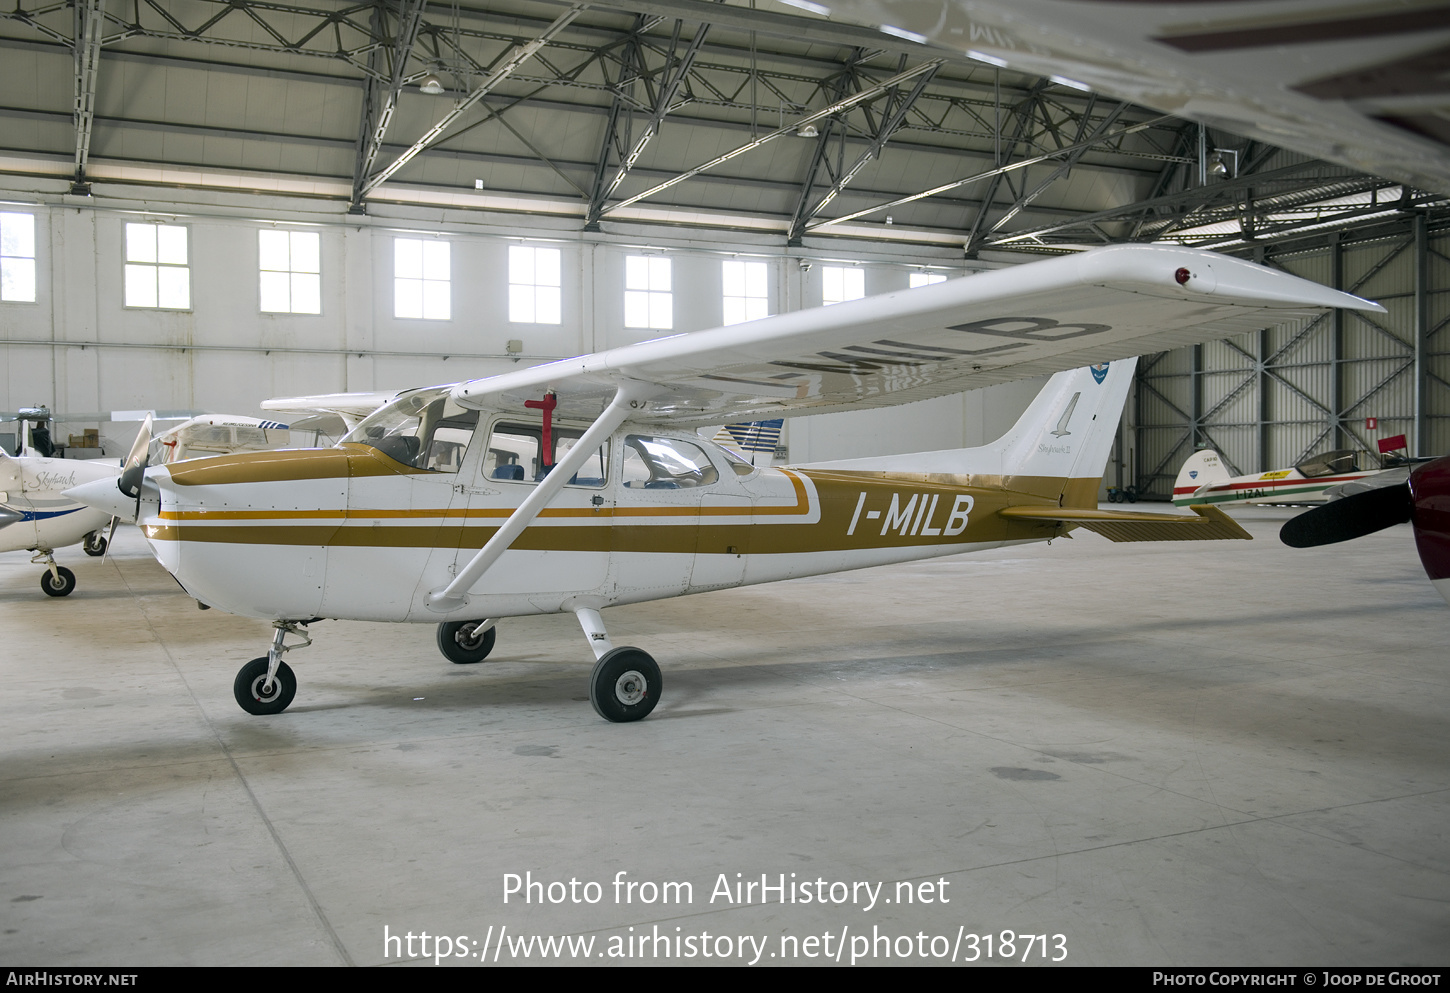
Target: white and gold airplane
{"points": [[583, 483]]}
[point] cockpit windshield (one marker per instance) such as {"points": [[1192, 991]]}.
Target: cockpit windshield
{"points": [[424, 429]]}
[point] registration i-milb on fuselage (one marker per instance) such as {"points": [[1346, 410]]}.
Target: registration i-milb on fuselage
{"points": [[374, 528]]}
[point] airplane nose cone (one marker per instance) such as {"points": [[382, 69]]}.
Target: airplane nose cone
{"points": [[105, 495]]}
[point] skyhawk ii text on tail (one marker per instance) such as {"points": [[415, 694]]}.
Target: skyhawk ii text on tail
{"points": [[584, 483]]}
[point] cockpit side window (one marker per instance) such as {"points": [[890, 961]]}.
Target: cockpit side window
{"points": [[513, 454], [666, 464]]}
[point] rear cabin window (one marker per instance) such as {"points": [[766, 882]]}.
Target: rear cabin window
{"points": [[513, 455], [665, 464]]}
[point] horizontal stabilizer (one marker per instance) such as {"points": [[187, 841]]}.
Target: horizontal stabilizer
{"points": [[1211, 524]]}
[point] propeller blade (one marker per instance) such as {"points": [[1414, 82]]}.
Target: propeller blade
{"points": [[136, 462], [1352, 517], [110, 538]]}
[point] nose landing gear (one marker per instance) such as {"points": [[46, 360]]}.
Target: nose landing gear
{"points": [[267, 685]]}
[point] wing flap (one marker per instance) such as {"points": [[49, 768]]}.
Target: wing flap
{"points": [[994, 327], [1210, 524]]}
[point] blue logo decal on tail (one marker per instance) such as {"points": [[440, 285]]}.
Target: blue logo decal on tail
{"points": [[1100, 372], [1192, 473]]}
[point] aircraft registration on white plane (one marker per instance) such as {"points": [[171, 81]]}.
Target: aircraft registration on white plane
{"points": [[583, 483]]}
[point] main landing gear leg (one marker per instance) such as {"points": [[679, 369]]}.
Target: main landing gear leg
{"points": [[626, 682], [266, 685], [57, 580]]}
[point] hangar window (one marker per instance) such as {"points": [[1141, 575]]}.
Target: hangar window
{"points": [[291, 271], [926, 278], [648, 302], [158, 275], [842, 283], [422, 270], [534, 285], [746, 295], [17, 257]]}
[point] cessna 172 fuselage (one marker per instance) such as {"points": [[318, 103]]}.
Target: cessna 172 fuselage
{"points": [[584, 483]]}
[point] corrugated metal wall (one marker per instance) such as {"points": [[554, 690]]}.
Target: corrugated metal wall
{"points": [[1268, 399]]}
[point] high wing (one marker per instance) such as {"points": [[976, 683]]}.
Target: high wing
{"points": [[1029, 320]]}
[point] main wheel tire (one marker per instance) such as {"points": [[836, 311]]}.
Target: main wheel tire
{"points": [[94, 544], [63, 583], [248, 688], [625, 685], [460, 644]]}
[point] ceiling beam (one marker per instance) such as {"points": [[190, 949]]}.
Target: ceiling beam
{"points": [[891, 120], [1000, 170], [834, 108], [793, 27], [515, 58], [380, 101], [90, 19], [667, 88]]}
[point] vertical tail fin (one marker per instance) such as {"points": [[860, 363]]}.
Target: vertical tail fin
{"points": [[1199, 469], [1068, 430]]}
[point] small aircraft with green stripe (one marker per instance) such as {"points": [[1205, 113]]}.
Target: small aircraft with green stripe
{"points": [[1204, 479]]}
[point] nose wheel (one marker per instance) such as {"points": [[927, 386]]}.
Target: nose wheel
{"points": [[267, 685], [260, 696]]}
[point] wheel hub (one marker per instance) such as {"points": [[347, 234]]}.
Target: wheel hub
{"points": [[260, 691], [630, 688]]}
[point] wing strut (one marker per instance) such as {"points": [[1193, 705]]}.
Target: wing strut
{"points": [[630, 396]]}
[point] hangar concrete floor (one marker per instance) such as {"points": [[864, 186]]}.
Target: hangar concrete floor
{"points": [[1228, 753]]}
